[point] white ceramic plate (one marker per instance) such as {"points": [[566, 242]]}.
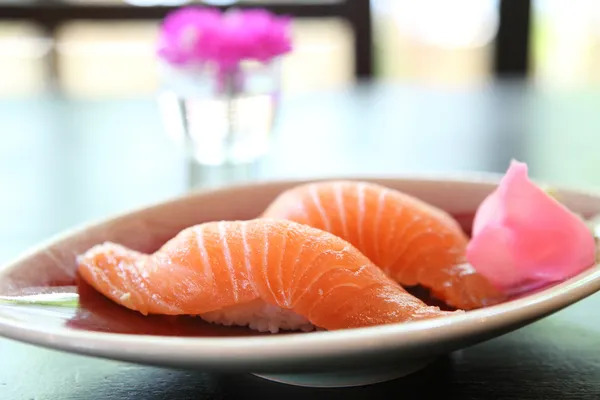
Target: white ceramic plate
{"points": [[341, 358]]}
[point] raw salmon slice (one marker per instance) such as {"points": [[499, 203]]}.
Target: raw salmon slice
{"points": [[413, 242], [265, 274]]}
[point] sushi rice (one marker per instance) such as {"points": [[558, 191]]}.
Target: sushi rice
{"points": [[260, 316]]}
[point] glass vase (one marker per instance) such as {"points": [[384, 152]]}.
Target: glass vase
{"points": [[223, 119]]}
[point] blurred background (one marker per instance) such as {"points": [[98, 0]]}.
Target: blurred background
{"points": [[373, 87], [100, 48]]}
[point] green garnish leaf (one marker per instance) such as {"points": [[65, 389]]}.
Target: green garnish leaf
{"points": [[47, 299]]}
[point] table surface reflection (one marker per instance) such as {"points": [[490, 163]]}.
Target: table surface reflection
{"points": [[64, 162]]}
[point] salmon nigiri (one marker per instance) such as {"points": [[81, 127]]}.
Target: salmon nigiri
{"points": [[412, 241], [265, 274]]}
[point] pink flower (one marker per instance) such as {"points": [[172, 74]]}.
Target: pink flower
{"points": [[185, 34], [524, 239], [197, 36]]}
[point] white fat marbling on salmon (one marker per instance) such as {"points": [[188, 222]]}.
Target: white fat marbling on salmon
{"points": [[324, 295], [404, 245], [223, 239], [377, 223], [294, 269], [265, 262], [317, 201], [206, 267], [361, 213], [339, 201], [249, 274], [322, 272], [392, 239], [284, 295]]}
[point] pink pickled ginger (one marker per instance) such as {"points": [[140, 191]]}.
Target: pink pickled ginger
{"points": [[522, 238]]}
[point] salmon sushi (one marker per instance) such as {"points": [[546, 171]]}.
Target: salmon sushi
{"points": [[413, 242], [269, 275]]}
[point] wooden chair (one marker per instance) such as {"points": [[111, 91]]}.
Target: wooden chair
{"points": [[512, 47]]}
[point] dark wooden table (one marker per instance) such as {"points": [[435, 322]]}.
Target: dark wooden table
{"points": [[66, 161]]}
